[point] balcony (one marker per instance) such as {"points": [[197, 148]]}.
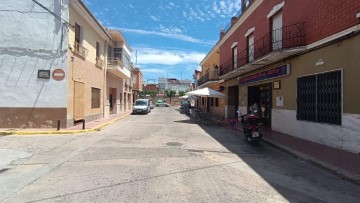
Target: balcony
{"points": [[209, 78], [136, 85], [116, 67], [80, 50], [274, 46], [99, 62]]}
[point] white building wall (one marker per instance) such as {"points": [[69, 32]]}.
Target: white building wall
{"points": [[345, 137], [32, 39]]}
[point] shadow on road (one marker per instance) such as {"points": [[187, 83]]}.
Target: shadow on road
{"points": [[295, 179]]}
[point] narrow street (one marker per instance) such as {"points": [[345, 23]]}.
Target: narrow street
{"points": [[160, 157]]}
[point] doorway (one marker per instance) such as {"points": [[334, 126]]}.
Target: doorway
{"points": [[112, 100], [233, 101], [79, 95], [262, 95]]}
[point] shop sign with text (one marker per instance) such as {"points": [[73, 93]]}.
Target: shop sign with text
{"points": [[280, 71]]}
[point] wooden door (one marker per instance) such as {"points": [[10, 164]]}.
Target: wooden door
{"points": [[79, 98]]}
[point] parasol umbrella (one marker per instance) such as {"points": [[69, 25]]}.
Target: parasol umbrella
{"points": [[206, 92]]}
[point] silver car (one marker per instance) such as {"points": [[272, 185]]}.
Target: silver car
{"points": [[141, 106]]}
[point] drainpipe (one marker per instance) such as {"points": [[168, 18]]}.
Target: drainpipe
{"points": [[105, 86]]}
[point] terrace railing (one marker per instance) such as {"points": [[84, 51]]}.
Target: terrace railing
{"points": [[285, 38]]}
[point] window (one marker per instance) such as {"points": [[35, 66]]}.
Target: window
{"points": [[95, 97], [250, 41], [319, 98], [127, 61], [277, 32], [203, 101], [234, 52], [212, 101], [97, 50], [216, 102], [77, 33], [118, 53]]}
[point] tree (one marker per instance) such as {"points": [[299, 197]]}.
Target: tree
{"points": [[152, 93], [182, 93], [143, 93], [170, 93]]}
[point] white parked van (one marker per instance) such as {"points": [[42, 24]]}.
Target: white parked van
{"points": [[141, 106]]}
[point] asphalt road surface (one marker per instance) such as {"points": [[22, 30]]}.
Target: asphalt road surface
{"points": [[160, 157]]}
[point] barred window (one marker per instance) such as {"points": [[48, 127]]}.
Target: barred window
{"points": [[95, 97], [319, 98]]}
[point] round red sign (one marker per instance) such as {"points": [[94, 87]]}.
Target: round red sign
{"points": [[58, 74]]}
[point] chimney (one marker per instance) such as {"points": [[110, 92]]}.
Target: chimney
{"points": [[233, 20], [222, 33]]}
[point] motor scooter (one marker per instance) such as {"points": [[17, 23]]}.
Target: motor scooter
{"points": [[251, 124]]}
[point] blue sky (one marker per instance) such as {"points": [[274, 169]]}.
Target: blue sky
{"points": [[170, 37]]}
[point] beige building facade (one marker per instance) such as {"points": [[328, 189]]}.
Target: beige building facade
{"points": [[209, 77], [87, 65]]}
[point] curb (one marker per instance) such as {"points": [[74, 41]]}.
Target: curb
{"points": [[61, 132], [345, 175]]}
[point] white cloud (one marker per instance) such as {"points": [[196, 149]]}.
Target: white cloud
{"points": [[154, 18], [173, 35], [170, 29], [152, 70], [168, 57]]}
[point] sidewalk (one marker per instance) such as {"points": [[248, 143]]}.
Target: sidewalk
{"points": [[343, 163], [94, 125]]}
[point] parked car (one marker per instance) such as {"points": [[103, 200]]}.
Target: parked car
{"points": [[151, 105], [141, 106], [160, 103]]}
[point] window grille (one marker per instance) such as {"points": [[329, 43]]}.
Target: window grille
{"points": [[319, 98]]}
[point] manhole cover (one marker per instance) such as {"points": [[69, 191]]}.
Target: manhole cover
{"points": [[174, 144]]}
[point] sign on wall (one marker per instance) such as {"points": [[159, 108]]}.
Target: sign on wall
{"points": [[280, 71], [58, 74], [44, 74]]}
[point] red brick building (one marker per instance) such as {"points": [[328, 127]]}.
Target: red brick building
{"points": [[152, 87], [299, 60]]}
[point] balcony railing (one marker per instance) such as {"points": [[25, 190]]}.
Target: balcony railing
{"points": [[285, 38], [245, 5], [208, 76], [99, 62], [114, 61], [79, 49]]}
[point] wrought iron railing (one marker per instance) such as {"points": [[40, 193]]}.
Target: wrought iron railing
{"points": [[208, 76], [99, 62], [287, 37], [245, 5], [115, 61], [79, 49]]}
